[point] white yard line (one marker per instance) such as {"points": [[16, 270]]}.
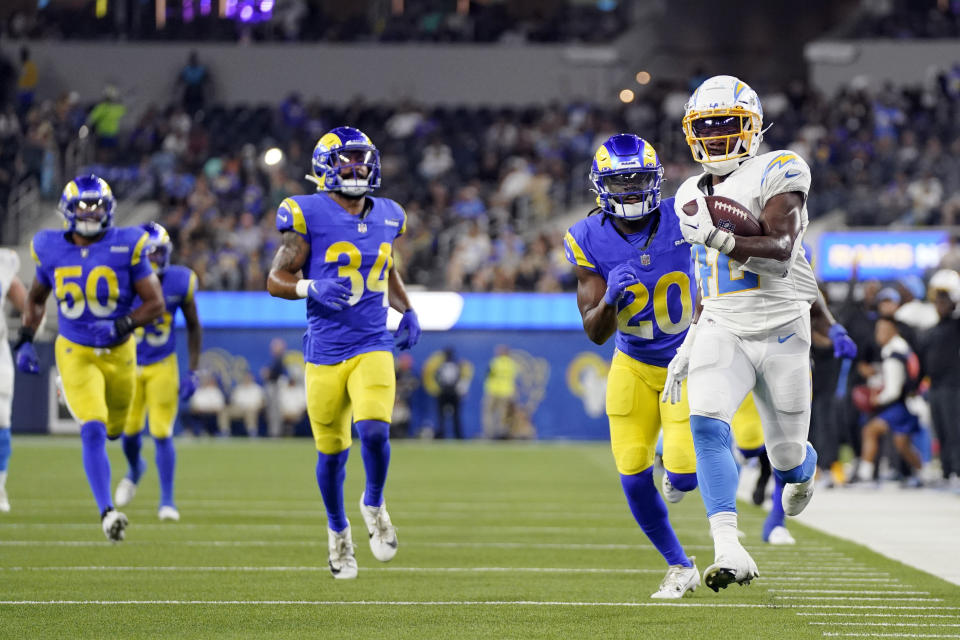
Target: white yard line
{"points": [[883, 591], [325, 569], [828, 634], [882, 615], [460, 603], [863, 598], [833, 623]]}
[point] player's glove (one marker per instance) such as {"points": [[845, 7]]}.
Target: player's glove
{"points": [[331, 293], [843, 344], [122, 327], [188, 384], [410, 325], [699, 229], [677, 369], [620, 277], [27, 360]]}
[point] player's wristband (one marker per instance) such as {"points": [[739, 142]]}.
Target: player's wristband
{"points": [[720, 240], [124, 326], [302, 287], [26, 335]]}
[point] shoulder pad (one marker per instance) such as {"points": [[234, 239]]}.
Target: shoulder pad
{"points": [[290, 216]]}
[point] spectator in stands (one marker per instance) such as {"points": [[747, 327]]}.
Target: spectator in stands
{"points": [[500, 395], [407, 384], [453, 381], [207, 408], [272, 375], [104, 120], [247, 401], [7, 75], [938, 354], [26, 82], [194, 83], [292, 400]]}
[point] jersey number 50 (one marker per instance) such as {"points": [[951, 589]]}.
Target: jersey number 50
{"points": [[379, 272], [661, 312], [74, 298]]}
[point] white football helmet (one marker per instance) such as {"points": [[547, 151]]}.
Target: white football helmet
{"points": [[946, 280], [723, 124]]}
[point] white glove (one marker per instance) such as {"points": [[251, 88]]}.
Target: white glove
{"points": [[677, 369], [699, 229]]}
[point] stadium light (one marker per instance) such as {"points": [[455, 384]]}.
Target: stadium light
{"points": [[272, 156], [643, 77], [626, 96]]}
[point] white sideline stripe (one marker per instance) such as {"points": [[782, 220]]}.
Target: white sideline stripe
{"points": [[889, 624], [833, 581], [882, 615], [828, 634], [462, 603], [896, 592], [853, 572], [325, 569]]}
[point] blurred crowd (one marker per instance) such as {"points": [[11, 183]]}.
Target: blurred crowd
{"points": [[486, 189], [905, 19], [358, 21]]}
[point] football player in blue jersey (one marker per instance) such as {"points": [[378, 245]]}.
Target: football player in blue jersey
{"points": [[96, 271], [634, 279], [337, 252], [158, 375]]}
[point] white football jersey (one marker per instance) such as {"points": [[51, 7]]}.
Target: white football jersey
{"points": [[736, 298], [9, 266]]}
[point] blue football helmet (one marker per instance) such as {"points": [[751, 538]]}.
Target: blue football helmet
{"points": [[158, 247], [626, 174], [338, 158], [87, 205]]}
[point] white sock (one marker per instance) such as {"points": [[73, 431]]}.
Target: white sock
{"points": [[723, 527], [3, 479], [865, 471]]}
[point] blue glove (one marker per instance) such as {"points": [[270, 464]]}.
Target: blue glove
{"points": [[620, 277], [27, 360], [843, 345], [188, 384], [411, 325], [331, 293]]}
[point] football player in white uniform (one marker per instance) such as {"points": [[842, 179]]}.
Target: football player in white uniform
{"points": [[754, 330], [10, 288]]}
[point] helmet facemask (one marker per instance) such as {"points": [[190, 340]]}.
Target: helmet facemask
{"points": [[629, 194], [719, 138], [352, 170], [91, 216], [159, 256]]}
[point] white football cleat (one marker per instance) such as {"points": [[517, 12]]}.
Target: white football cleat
{"points": [[796, 496], [383, 535], [678, 581], [4, 502], [780, 536], [167, 512], [670, 493], [114, 525], [732, 564], [126, 489], [343, 564]]}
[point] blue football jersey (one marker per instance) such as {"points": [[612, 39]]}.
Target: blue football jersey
{"points": [[92, 283], [156, 340], [345, 245], [653, 315]]}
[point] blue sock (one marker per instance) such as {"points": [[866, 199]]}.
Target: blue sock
{"points": [[375, 450], [131, 449], [752, 453], [93, 436], [4, 447], [776, 516], [331, 472], [802, 472], [716, 468], [650, 512], [683, 481], [166, 462]]}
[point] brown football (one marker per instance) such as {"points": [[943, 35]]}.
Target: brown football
{"points": [[728, 215]]}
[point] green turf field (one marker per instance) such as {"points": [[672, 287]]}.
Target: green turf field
{"points": [[496, 541]]}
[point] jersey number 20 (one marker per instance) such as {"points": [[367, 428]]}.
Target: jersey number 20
{"points": [[377, 278], [661, 312]]}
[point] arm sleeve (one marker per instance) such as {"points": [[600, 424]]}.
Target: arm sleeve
{"points": [[575, 252], [786, 172], [290, 218], [140, 266], [894, 376]]}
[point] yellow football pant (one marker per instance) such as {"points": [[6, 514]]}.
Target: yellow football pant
{"points": [[98, 383], [746, 427], [636, 416], [360, 388], [156, 399]]}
